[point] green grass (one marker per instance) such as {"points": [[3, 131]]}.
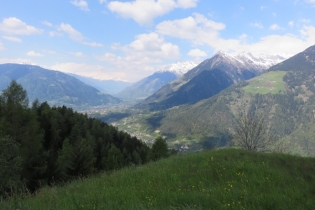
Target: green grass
{"points": [[270, 82], [222, 179]]}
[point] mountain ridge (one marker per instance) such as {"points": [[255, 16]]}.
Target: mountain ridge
{"points": [[149, 85], [285, 94], [224, 64], [55, 87]]}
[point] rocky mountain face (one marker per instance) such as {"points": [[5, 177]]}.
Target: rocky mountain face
{"points": [[152, 83], [210, 77], [54, 87], [284, 94]]}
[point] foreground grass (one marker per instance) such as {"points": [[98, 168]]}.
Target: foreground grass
{"points": [[223, 179]]}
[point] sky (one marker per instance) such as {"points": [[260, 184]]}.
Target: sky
{"points": [[129, 40]]}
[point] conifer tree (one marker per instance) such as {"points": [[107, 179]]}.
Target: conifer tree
{"points": [[114, 159], [159, 149], [10, 165]]}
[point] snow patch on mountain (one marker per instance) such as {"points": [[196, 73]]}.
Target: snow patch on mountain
{"points": [[179, 68], [249, 60]]}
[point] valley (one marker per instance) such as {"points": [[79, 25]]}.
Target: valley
{"points": [[284, 94], [157, 105]]}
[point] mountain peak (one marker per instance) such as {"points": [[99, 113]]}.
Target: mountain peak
{"points": [[250, 60], [179, 68]]}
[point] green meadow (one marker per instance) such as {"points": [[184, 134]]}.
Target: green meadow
{"points": [[221, 179], [270, 82]]}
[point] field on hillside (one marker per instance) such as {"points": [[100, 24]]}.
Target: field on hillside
{"points": [[222, 179], [143, 125], [270, 82]]}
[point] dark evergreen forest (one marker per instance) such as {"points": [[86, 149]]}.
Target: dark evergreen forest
{"points": [[42, 145]]}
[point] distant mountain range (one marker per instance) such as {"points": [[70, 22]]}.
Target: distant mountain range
{"points": [[209, 78], [154, 82], [285, 94], [55, 87], [111, 87]]}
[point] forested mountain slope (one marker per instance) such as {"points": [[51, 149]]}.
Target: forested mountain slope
{"points": [[45, 145], [285, 94], [55, 87]]}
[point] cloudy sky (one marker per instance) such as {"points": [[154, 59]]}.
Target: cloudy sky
{"points": [[128, 40]]}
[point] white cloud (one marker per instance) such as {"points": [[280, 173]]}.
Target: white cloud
{"points": [[92, 44], [303, 20], [291, 23], [102, 1], [50, 52], [83, 5], [288, 43], [275, 27], [200, 30], [13, 25], [187, 3], [311, 1], [99, 72], [46, 23], [243, 36], [263, 7], [197, 53], [16, 60], [197, 29], [55, 33], [151, 47], [78, 54], [75, 35], [34, 54], [147, 48], [257, 25], [12, 38], [1, 46], [144, 11], [141, 56]]}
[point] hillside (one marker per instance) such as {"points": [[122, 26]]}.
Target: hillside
{"points": [[220, 179], [209, 78], [149, 85], [54, 87], [285, 94]]}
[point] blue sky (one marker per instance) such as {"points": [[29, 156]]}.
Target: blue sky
{"points": [[129, 40]]}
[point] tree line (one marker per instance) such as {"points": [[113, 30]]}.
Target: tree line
{"points": [[43, 145]]}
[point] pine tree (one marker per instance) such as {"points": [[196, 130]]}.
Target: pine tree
{"points": [[10, 165], [159, 149], [114, 159], [20, 122], [64, 160]]}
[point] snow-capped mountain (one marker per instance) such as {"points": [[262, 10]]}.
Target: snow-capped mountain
{"points": [[179, 68], [249, 60], [154, 82], [210, 77]]}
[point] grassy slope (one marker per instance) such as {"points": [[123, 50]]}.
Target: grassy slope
{"points": [[271, 82], [220, 179]]}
